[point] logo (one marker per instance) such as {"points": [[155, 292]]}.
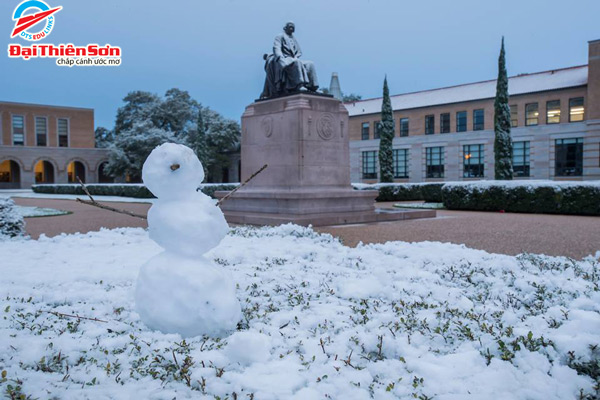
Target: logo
{"points": [[34, 20], [29, 16]]}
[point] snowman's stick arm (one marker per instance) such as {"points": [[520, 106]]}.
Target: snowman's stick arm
{"points": [[94, 203], [242, 185], [105, 207]]}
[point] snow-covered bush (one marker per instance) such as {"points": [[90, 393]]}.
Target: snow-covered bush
{"points": [[11, 221], [123, 190], [431, 192], [547, 197], [535, 196]]}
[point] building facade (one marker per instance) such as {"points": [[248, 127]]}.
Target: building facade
{"points": [[48, 144], [447, 134]]}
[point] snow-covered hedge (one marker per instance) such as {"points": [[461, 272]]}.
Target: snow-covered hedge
{"points": [[535, 196], [123, 190], [430, 192], [548, 197], [11, 221]]}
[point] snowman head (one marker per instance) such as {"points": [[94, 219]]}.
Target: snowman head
{"points": [[172, 171]]}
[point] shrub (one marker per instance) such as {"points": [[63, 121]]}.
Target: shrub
{"points": [[11, 222], [430, 192], [121, 190], [525, 197]]}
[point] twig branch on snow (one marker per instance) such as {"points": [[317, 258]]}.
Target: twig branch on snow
{"points": [[74, 316]]}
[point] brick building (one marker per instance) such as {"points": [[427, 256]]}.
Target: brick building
{"points": [[48, 144], [447, 134]]}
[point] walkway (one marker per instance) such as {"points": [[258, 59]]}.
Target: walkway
{"points": [[505, 233]]}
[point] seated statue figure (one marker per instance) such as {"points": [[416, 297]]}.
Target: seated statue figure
{"points": [[286, 73]]}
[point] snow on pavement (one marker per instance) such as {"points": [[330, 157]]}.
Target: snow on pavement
{"points": [[321, 320]]}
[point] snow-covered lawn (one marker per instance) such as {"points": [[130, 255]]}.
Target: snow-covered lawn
{"points": [[28, 212], [394, 320], [429, 206]]}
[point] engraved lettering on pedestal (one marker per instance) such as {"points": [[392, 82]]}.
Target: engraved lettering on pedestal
{"points": [[267, 126], [341, 128], [325, 126], [309, 124]]}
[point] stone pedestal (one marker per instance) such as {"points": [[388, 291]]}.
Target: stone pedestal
{"points": [[303, 138]]}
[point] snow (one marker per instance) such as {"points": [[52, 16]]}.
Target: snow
{"points": [[172, 171], [180, 290], [188, 296], [429, 206], [520, 84], [248, 347], [28, 212], [433, 320], [11, 221]]}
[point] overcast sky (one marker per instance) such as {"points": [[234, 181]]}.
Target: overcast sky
{"points": [[214, 49]]}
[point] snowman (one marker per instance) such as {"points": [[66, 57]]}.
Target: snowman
{"points": [[180, 290]]}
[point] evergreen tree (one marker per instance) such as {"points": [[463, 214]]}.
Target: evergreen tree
{"points": [[148, 120], [386, 136], [132, 146], [503, 147], [104, 137]]}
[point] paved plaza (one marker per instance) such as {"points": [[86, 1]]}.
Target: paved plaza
{"points": [[504, 233]]}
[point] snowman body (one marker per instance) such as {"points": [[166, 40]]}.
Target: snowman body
{"points": [[180, 290]]}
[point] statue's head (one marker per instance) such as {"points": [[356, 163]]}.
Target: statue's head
{"points": [[289, 28]]}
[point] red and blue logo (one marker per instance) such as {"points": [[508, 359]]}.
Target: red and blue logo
{"points": [[30, 16]]}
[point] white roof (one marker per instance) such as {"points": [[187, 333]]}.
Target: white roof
{"points": [[520, 84]]}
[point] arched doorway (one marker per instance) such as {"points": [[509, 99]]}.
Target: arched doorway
{"points": [[44, 172], [103, 177], [10, 175], [75, 170]]}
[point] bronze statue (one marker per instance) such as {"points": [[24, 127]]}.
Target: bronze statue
{"points": [[286, 73]]}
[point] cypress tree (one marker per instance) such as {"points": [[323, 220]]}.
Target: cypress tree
{"points": [[503, 148], [386, 136]]}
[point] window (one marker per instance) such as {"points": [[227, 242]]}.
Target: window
{"points": [[63, 132], [376, 126], [401, 163], [18, 130], [461, 121], [434, 161], [445, 123], [576, 109], [553, 112], [473, 161], [403, 126], [41, 130], [429, 124], [569, 157], [369, 169], [365, 131], [521, 158], [478, 120], [531, 114], [514, 116]]}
